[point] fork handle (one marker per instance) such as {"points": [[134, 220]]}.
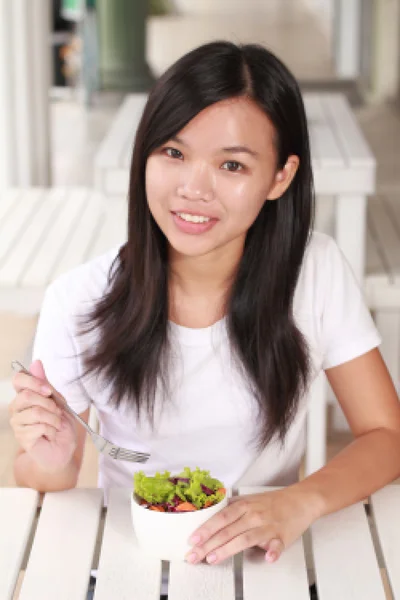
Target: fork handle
{"points": [[17, 366]]}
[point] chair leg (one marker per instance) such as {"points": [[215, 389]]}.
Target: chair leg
{"points": [[316, 426], [388, 324]]}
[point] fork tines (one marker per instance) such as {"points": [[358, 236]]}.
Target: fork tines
{"points": [[129, 455]]}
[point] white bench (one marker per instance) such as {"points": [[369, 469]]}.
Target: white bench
{"points": [[112, 160], [342, 163], [383, 280], [45, 232], [382, 293]]}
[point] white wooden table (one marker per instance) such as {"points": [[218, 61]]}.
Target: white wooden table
{"points": [[55, 547], [343, 164], [45, 232]]}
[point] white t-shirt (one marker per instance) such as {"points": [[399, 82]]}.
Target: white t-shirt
{"points": [[211, 420]]}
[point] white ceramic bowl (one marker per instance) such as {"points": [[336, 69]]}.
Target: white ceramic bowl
{"points": [[166, 535]]}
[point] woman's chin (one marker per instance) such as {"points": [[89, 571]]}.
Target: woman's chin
{"points": [[190, 248]]}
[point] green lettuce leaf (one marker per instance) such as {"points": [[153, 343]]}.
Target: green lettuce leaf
{"points": [[159, 490], [155, 489], [194, 492]]}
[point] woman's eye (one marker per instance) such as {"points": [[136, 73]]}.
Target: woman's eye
{"points": [[232, 165], [173, 153]]}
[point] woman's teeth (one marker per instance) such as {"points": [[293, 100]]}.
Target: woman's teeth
{"points": [[193, 218]]}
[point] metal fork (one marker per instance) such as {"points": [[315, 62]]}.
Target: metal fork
{"points": [[100, 442]]}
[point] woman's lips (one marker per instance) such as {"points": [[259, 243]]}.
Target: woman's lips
{"points": [[193, 228]]}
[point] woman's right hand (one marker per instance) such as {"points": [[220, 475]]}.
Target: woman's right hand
{"points": [[43, 430]]}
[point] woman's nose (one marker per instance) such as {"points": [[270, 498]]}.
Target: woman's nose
{"points": [[198, 183]]}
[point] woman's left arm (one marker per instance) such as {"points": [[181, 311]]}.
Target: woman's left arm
{"points": [[370, 403], [274, 520]]}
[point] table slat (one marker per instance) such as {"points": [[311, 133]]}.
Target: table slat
{"points": [[346, 566], [113, 232], [8, 200], [374, 260], [17, 222], [386, 513], [112, 153], [62, 552], [30, 238], [347, 130], [136, 110], [386, 233], [201, 581], [286, 579], [17, 513], [124, 571], [392, 202], [54, 238], [77, 249], [313, 107], [324, 145]]}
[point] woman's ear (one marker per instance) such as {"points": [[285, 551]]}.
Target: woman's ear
{"points": [[283, 178]]}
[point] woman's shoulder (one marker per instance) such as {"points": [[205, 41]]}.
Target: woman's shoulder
{"points": [[322, 253], [319, 245], [85, 283], [322, 262]]}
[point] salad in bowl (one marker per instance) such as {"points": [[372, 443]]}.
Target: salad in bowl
{"points": [[167, 508], [186, 492]]}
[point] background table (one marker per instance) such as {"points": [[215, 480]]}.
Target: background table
{"points": [[59, 548], [45, 232], [343, 164]]}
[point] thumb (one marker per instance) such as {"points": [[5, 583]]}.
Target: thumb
{"points": [[37, 370], [274, 549]]}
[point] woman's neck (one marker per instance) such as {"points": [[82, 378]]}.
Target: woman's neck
{"points": [[201, 275], [199, 287]]}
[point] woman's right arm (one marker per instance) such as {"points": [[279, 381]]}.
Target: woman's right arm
{"points": [[51, 442], [28, 473]]}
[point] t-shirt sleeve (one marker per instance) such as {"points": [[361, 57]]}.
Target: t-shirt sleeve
{"points": [[348, 330], [56, 347]]}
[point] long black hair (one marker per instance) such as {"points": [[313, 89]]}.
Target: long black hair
{"points": [[133, 352]]}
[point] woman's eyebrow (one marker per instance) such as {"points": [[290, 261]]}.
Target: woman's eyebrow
{"points": [[231, 149], [176, 138], [240, 149]]}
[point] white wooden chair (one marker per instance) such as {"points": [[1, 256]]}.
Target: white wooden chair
{"points": [[45, 232], [383, 281], [382, 293]]}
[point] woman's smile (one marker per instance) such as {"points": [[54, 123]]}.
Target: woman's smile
{"points": [[193, 223]]}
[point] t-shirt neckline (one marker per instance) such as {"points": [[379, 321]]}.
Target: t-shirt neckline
{"points": [[199, 336]]}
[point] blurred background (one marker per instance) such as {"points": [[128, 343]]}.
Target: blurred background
{"points": [[66, 68]]}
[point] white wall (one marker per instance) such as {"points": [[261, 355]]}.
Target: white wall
{"points": [[207, 7], [24, 86], [324, 10], [384, 78]]}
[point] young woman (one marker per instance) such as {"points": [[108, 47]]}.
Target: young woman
{"points": [[199, 338]]}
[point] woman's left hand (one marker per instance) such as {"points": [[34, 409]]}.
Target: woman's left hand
{"points": [[270, 520]]}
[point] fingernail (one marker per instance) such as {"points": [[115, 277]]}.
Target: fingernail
{"points": [[271, 556], [45, 389], [211, 558], [192, 558], [195, 539]]}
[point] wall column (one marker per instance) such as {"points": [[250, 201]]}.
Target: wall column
{"points": [[25, 68]]}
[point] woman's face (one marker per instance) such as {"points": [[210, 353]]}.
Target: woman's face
{"points": [[206, 186]]}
